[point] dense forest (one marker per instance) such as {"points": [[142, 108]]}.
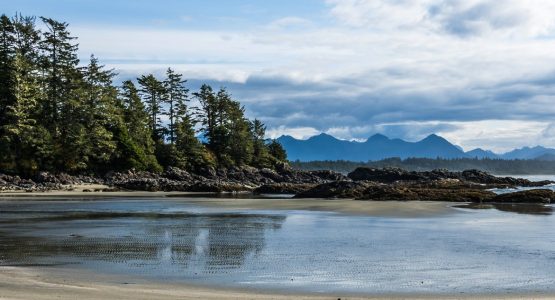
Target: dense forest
{"points": [[57, 114], [495, 166]]}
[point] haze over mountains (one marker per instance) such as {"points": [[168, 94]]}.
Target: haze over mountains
{"points": [[377, 147]]}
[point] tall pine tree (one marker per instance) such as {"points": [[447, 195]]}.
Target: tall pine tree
{"points": [[153, 92], [7, 91], [176, 99], [59, 65]]}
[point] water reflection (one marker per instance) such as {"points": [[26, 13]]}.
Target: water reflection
{"points": [[529, 209], [196, 242]]}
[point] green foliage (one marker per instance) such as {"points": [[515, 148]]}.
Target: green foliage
{"points": [[153, 92], [56, 116], [188, 144], [176, 97], [59, 66], [277, 151]]}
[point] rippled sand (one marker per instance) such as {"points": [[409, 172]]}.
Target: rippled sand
{"points": [[30, 283]]}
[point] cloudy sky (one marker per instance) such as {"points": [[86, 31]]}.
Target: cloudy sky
{"points": [[480, 73]]}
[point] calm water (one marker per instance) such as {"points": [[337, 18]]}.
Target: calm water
{"points": [[472, 251]]}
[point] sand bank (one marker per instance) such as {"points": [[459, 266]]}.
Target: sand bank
{"points": [[345, 206]]}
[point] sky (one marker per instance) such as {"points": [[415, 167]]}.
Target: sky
{"points": [[480, 73]]}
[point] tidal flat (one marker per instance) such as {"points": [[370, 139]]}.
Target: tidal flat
{"points": [[280, 246]]}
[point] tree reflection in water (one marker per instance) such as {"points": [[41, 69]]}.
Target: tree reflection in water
{"points": [[198, 243]]}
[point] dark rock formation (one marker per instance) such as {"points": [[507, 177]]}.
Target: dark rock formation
{"points": [[408, 193], [337, 189], [446, 190], [530, 196]]}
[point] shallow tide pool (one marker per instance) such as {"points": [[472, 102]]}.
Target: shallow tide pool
{"points": [[503, 250]]}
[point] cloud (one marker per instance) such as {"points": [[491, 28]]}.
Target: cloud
{"points": [[296, 132], [459, 17], [289, 23]]}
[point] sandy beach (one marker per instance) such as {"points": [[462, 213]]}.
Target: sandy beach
{"points": [[32, 283]]}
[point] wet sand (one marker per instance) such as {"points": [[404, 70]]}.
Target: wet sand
{"points": [[344, 206], [32, 283]]}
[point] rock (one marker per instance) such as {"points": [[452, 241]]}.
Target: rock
{"points": [[283, 188], [387, 175], [218, 187], [409, 193], [336, 189], [177, 174], [329, 175], [271, 175], [207, 171], [530, 196]]}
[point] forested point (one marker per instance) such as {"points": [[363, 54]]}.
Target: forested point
{"points": [[60, 116], [495, 166]]}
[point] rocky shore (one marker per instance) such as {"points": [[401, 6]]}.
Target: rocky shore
{"points": [[438, 185], [361, 184], [243, 179]]}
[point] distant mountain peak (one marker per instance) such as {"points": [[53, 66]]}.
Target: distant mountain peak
{"points": [[379, 146], [434, 137], [323, 136], [378, 137]]}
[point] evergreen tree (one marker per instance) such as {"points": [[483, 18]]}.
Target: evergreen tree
{"points": [[188, 144], [136, 118], [206, 113], [277, 151], [59, 65], [33, 145], [239, 140], [136, 144], [7, 68], [260, 150], [153, 92], [176, 98], [100, 115], [7, 90]]}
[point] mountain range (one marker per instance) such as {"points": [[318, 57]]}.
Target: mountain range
{"points": [[378, 146]]}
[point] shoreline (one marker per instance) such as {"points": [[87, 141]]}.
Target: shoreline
{"points": [[35, 283]]}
